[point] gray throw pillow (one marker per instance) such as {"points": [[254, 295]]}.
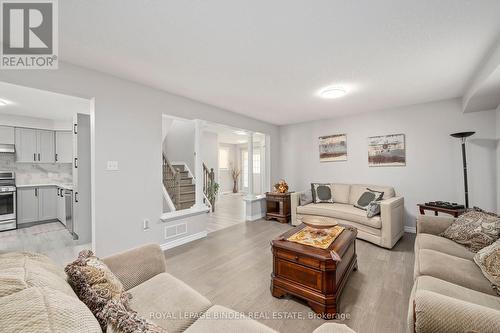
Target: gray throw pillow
{"points": [[367, 197], [373, 209], [305, 198], [322, 193]]}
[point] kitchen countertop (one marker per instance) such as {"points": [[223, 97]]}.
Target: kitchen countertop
{"points": [[66, 186]]}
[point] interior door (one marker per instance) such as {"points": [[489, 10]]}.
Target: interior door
{"points": [[46, 146]]}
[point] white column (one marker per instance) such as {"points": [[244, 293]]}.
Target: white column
{"points": [[198, 164], [250, 165]]}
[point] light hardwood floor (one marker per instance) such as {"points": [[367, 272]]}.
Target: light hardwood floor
{"points": [[229, 211], [232, 267], [51, 239]]}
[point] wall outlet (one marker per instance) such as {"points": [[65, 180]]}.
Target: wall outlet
{"points": [[145, 224], [112, 166]]}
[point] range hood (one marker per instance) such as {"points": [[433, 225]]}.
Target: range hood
{"points": [[7, 148]]}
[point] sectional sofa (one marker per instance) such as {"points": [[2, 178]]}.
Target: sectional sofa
{"points": [[35, 297], [383, 230], [450, 294]]}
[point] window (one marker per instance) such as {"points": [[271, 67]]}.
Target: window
{"points": [[223, 158], [244, 156], [256, 162]]}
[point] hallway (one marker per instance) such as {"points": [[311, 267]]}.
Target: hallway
{"points": [[229, 211]]}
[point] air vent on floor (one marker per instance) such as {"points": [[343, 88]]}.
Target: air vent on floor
{"points": [[175, 230]]}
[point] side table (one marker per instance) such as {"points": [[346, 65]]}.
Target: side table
{"points": [[453, 212], [278, 207]]}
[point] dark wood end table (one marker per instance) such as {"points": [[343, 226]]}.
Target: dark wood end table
{"points": [[278, 207], [453, 212], [313, 274]]}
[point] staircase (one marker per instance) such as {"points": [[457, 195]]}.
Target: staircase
{"points": [[179, 185]]}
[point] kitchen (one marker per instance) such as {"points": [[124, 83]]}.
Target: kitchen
{"points": [[44, 171]]}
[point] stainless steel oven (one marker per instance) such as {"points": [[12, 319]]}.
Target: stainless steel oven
{"points": [[8, 201]]}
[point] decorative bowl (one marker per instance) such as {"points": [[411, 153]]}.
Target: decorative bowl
{"points": [[319, 222]]}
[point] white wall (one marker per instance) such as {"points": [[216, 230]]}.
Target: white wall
{"points": [[433, 168], [128, 129], [179, 143], [498, 160], [225, 178], [32, 122], [210, 152]]}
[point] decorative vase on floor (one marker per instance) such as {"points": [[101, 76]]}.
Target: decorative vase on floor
{"points": [[235, 187]]}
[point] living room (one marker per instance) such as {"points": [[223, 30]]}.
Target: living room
{"points": [[353, 78]]}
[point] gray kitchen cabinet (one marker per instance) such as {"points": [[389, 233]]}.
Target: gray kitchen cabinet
{"points": [[26, 145], [61, 206], [47, 203], [34, 145], [27, 205], [46, 144], [7, 135], [64, 147]]}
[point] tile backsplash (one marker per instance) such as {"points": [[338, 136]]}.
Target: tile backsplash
{"points": [[27, 173]]}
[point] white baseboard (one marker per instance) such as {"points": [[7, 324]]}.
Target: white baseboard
{"points": [[183, 240], [254, 217], [412, 230]]}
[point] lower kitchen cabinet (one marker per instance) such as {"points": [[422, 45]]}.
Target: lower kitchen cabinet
{"points": [[61, 206], [27, 204], [36, 204]]}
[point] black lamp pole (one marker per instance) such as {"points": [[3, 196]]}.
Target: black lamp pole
{"points": [[463, 136]]}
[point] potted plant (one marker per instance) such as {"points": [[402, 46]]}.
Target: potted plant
{"points": [[212, 192], [235, 174]]}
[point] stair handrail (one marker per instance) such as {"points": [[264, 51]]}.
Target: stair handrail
{"points": [[208, 180], [171, 180]]}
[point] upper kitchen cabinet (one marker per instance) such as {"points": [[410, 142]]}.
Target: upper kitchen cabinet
{"points": [[46, 143], [35, 146], [64, 147], [7, 135]]}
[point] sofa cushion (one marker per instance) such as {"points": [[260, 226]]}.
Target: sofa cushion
{"points": [[452, 290], [21, 270], [441, 244], [341, 193], [474, 229], [165, 300], [221, 319], [35, 310], [463, 272], [341, 211], [488, 260], [358, 189]]}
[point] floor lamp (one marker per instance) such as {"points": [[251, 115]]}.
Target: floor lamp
{"points": [[463, 137]]}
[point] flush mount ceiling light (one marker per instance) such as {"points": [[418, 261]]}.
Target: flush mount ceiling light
{"points": [[332, 92], [3, 102], [240, 132]]}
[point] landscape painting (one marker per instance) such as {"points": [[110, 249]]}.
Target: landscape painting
{"points": [[387, 150], [333, 148]]}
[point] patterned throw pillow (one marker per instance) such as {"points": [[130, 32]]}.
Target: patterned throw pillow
{"points": [[322, 193], [367, 197], [373, 209], [488, 259], [306, 198], [474, 229], [94, 283]]}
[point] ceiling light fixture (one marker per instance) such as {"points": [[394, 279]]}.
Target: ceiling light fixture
{"points": [[332, 92], [3, 102], [240, 132]]}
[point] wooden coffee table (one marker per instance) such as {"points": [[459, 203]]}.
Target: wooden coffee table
{"points": [[313, 274]]}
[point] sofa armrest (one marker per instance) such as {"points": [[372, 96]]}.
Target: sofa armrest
{"points": [[333, 328], [294, 203], [434, 312], [433, 224], [138, 265], [392, 216]]}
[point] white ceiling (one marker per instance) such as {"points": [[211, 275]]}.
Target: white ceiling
{"points": [[267, 59], [29, 102]]}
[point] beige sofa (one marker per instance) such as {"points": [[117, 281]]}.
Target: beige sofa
{"points": [[383, 230], [35, 297], [450, 294]]}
